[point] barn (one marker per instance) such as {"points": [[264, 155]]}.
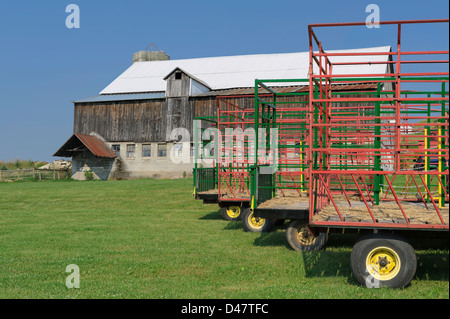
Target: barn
{"points": [[127, 130]]}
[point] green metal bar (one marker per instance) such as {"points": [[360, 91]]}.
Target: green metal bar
{"points": [[427, 146], [386, 79], [256, 121], [377, 160], [315, 144], [441, 140]]}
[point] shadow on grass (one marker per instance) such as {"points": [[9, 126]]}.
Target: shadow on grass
{"points": [[233, 225], [215, 215], [278, 238], [334, 260], [328, 264], [432, 265], [324, 263], [272, 239]]}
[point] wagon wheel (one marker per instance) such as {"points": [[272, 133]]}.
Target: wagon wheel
{"points": [[231, 212], [383, 260], [278, 222], [300, 237], [255, 224]]}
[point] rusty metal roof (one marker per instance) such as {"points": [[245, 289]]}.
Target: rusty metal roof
{"points": [[122, 97], [78, 142], [289, 89]]}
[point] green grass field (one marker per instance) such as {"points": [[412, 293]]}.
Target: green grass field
{"points": [[151, 239]]}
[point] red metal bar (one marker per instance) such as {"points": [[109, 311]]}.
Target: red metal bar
{"points": [[401, 147], [432, 200], [443, 188], [397, 200], [371, 225], [364, 199], [331, 197], [421, 196], [345, 193], [343, 24]]}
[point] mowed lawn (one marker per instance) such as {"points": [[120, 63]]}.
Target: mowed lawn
{"points": [[151, 239]]}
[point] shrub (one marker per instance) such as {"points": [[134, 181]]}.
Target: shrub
{"points": [[89, 175]]}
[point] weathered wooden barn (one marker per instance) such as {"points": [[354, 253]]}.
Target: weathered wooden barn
{"points": [[126, 131]]}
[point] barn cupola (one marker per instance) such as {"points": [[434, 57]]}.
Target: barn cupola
{"points": [[180, 83]]}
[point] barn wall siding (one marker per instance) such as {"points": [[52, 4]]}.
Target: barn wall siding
{"points": [[136, 121], [180, 87], [100, 167], [148, 120], [141, 121]]}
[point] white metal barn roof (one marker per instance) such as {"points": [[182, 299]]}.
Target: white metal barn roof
{"points": [[237, 71]]}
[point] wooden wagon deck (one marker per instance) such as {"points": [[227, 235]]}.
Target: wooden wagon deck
{"points": [[292, 206], [386, 212]]}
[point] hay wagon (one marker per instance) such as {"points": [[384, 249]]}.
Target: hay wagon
{"points": [[373, 158]]}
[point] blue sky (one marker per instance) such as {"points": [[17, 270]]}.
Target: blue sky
{"points": [[44, 65]]}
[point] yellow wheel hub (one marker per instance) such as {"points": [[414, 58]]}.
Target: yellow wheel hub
{"points": [[233, 211], [383, 263], [256, 222]]}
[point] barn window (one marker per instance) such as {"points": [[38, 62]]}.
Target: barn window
{"points": [[192, 150], [177, 75], [162, 150], [178, 149], [116, 149], [131, 150], [146, 150]]}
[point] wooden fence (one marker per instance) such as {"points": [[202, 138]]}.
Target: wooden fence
{"points": [[37, 174]]}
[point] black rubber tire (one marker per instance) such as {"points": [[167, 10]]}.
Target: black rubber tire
{"points": [[300, 238], [248, 222], [226, 216], [401, 276], [278, 222]]}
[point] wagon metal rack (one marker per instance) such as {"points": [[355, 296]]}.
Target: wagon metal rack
{"points": [[397, 124], [242, 149], [390, 149], [234, 118], [378, 160], [205, 178], [280, 163], [284, 194], [287, 114]]}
